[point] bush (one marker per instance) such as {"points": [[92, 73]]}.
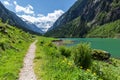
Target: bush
{"points": [[82, 55], [4, 44], [65, 51], [49, 44]]}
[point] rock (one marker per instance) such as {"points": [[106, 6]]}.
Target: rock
{"points": [[100, 55], [57, 42]]}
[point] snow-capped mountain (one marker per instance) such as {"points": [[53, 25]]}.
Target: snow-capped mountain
{"points": [[44, 26], [32, 26], [44, 22], [15, 20]]}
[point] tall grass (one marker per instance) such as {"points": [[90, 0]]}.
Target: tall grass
{"points": [[82, 55]]}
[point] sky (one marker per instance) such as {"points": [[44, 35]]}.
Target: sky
{"points": [[42, 12]]}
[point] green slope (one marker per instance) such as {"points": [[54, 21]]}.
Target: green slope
{"points": [[13, 46], [111, 30]]}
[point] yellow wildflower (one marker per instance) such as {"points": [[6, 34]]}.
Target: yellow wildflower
{"points": [[81, 67], [65, 59], [94, 73], [69, 63], [88, 70]]}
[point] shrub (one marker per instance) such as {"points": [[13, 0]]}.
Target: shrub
{"points": [[82, 55], [65, 51], [49, 44], [3, 44], [41, 43]]}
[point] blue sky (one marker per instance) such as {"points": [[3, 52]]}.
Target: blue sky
{"points": [[39, 11], [42, 6]]}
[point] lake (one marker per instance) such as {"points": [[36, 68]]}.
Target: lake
{"points": [[107, 44]]}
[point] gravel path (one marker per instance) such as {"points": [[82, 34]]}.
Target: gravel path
{"points": [[27, 72]]}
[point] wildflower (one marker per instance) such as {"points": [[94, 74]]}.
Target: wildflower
{"points": [[94, 73], [69, 63], [88, 70], [65, 59], [81, 67]]}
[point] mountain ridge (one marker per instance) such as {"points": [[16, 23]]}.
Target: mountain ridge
{"points": [[94, 13], [12, 19], [33, 26]]}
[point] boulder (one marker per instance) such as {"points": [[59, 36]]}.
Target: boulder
{"points": [[100, 55]]}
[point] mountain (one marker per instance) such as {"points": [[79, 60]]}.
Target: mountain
{"points": [[12, 19], [71, 14], [44, 26], [85, 15], [32, 26]]}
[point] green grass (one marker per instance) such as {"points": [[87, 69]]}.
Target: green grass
{"points": [[14, 44], [107, 71], [11, 61], [51, 64]]}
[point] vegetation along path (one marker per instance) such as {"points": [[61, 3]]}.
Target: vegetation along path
{"points": [[27, 72]]}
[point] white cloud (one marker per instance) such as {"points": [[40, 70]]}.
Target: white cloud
{"points": [[51, 16], [43, 21], [28, 9]]}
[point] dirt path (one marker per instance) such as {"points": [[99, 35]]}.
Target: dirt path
{"points": [[27, 72]]}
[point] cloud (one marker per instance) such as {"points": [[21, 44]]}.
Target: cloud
{"points": [[51, 16], [6, 3], [43, 21], [27, 10]]}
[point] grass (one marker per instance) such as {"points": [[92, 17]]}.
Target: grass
{"points": [[107, 71], [51, 64], [14, 44], [11, 62]]}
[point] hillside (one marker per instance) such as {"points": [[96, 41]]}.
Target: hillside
{"points": [[110, 30], [14, 20], [83, 16], [13, 45]]}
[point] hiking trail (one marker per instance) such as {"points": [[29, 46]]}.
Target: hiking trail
{"points": [[27, 72]]}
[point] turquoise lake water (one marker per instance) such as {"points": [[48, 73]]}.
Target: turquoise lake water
{"points": [[110, 45]]}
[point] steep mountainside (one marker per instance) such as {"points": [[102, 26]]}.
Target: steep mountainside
{"points": [[83, 16], [71, 14], [14, 20]]}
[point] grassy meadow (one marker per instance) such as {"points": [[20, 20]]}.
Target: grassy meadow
{"points": [[60, 63], [52, 62], [14, 44]]}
